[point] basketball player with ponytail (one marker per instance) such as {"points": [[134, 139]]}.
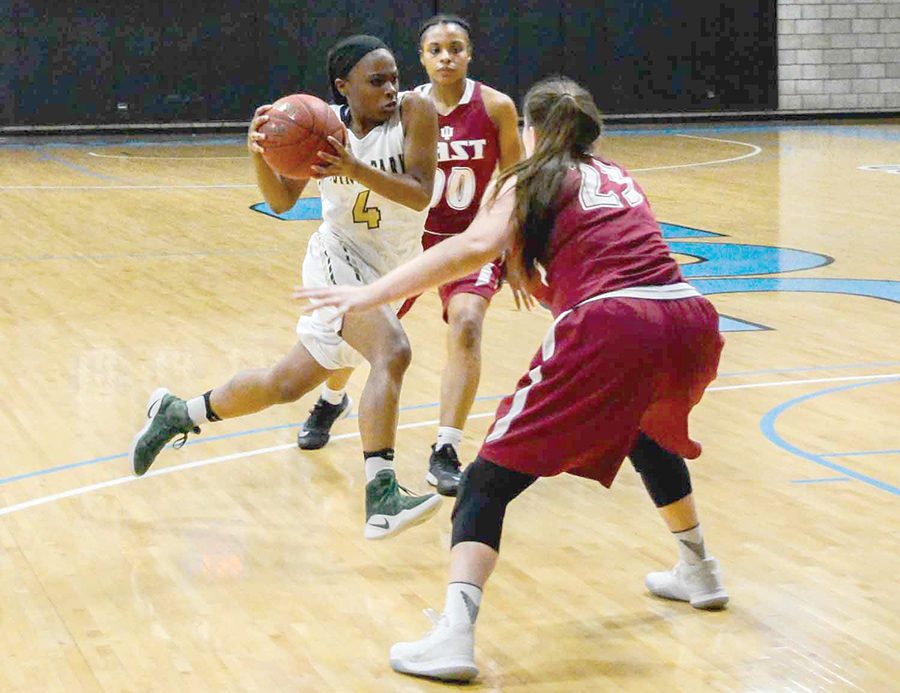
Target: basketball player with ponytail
{"points": [[631, 351], [375, 196]]}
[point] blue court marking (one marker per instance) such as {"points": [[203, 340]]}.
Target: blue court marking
{"points": [[873, 288], [715, 259], [821, 481], [728, 323], [487, 398], [860, 453], [207, 439], [307, 208], [46, 156], [767, 426], [679, 231], [741, 259]]}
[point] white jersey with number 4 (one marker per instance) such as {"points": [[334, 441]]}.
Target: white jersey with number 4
{"points": [[380, 232]]}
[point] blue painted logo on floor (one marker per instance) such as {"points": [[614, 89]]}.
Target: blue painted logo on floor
{"points": [[716, 267]]}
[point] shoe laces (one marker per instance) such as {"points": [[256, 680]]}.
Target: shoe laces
{"points": [[406, 490], [447, 458], [321, 410], [392, 485], [181, 440], [437, 620]]}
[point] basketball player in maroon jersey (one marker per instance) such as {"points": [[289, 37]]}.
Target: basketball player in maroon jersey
{"points": [[478, 128], [631, 351]]}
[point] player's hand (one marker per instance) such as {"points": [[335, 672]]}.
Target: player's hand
{"points": [[254, 136], [341, 163], [518, 284], [346, 299]]}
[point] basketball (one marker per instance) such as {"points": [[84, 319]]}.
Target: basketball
{"points": [[298, 128]]}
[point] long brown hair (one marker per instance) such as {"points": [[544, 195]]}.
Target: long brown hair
{"points": [[567, 123]]}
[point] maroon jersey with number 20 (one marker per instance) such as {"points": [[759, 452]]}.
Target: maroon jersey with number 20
{"points": [[468, 152]]}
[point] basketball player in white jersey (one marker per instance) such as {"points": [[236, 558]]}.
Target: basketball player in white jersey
{"points": [[478, 132], [375, 196]]}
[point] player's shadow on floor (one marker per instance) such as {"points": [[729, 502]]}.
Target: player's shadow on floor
{"points": [[588, 636]]}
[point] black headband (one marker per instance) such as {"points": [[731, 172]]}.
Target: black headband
{"points": [[350, 51]]}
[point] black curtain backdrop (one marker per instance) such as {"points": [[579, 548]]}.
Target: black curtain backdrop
{"points": [[158, 62]]}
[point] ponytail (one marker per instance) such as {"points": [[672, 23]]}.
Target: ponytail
{"points": [[567, 123]]}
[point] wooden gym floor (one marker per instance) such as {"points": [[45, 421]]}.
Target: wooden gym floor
{"points": [[239, 563]]}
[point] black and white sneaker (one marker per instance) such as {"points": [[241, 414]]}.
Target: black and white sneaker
{"points": [[317, 428], [443, 470]]}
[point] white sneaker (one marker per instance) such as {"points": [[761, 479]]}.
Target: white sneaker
{"points": [[446, 653], [700, 584]]}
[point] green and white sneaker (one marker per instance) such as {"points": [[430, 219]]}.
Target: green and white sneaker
{"points": [[167, 417], [389, 512]]}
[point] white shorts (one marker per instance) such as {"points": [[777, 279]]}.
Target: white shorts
{"points": [[329, 262]]}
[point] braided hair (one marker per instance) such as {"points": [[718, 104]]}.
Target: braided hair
{"points": [[445, 19]]}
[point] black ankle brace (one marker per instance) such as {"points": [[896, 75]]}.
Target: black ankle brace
{"points": [[385, 454], [210, 414]]}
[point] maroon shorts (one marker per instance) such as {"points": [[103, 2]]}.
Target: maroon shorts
{"points": [[485, 282], [606, 370]]}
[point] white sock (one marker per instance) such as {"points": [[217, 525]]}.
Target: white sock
{"points": [[197, 410], [332, 396], [463, 602], [375, 464], [447, 435], [690, 545]]}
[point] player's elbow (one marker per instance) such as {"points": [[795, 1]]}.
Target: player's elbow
{"points": [[481, 247], [280, 206]]}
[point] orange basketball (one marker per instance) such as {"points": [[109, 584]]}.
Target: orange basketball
{"points": [[298, 128]]}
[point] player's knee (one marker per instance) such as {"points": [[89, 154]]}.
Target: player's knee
{"points": [[485, 490], [665, 474], [465, 327], [395, 357], [284, 387]]}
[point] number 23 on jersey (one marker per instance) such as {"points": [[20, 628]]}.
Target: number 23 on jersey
{"points": [[593, 195]]}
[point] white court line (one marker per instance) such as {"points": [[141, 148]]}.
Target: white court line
{"points": [[781, 383], [755, 150], [82, 490], [129, 157], [124, 187]]}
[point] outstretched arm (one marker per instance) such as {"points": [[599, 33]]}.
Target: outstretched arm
{"points": [[489, 234]]}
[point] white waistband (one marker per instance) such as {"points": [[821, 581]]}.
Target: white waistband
{"points": [[668, 292]]}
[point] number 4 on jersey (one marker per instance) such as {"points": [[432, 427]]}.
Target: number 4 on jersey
{"points": [[370, 216]]}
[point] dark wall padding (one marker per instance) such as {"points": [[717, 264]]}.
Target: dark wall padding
{"points": [[113, 62]]}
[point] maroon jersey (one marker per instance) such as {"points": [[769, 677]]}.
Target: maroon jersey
{"points": [[605, 238], [468, 151]]}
